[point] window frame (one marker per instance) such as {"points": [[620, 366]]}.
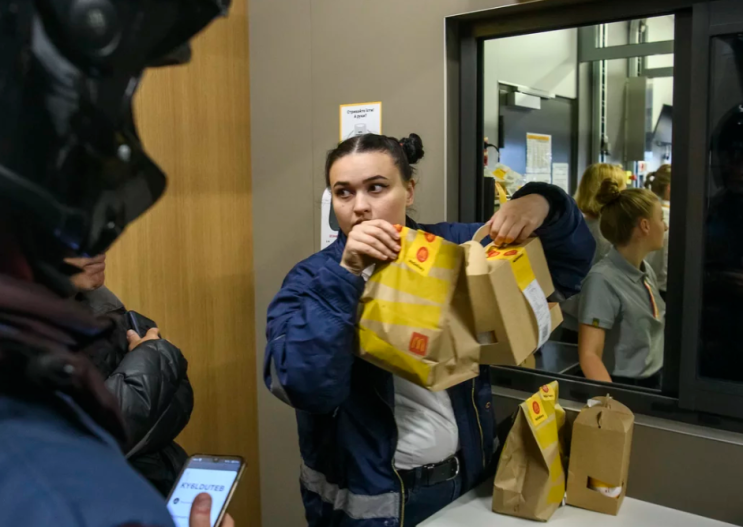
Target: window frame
{"points": [[683, 396], [697, 393]]}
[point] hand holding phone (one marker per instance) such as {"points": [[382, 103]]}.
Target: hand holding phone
{"points": [[138, 323], [201, 513], [215, 475]]}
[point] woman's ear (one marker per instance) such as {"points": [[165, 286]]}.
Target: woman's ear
{"points": [[644, 226], [410, 193]]}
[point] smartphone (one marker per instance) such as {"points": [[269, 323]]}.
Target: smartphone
{"points": [[139, 323], [216, 475]]}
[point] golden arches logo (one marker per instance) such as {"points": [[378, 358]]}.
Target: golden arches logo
{"points": [[418, 344]]}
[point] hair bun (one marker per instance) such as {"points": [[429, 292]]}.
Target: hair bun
{"points": [[608, 192], [413, 148]]}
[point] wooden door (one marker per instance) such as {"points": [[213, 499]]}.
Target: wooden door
{"points": [[188, 263]]}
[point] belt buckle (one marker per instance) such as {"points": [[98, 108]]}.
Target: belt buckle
{"points": [[456, 473]]}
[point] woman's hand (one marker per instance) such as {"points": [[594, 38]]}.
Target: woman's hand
{"points": [[517, 219], [369, 242], [134, 339]]}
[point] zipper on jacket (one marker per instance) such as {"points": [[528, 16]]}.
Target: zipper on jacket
{"points": [[477, 417], [402, 494], [402, 485]]}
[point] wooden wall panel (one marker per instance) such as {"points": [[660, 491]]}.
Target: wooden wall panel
{"points": [[188, 263]]}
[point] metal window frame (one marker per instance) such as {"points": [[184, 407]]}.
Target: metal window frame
{"points": [[698, 393], [588, 51], [683, 396]]}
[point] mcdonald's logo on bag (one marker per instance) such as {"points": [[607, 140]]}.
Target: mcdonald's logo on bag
{"points": [[418, 344]]}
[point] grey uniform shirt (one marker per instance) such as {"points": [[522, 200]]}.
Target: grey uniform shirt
{"points": [[616, 297]]}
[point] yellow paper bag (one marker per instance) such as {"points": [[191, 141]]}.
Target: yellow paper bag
{"points": [[530, 481], [416, 319]]}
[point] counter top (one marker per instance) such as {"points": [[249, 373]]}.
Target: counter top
{"points": [[474, 510]]}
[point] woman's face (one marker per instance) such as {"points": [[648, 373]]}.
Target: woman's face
{"points": [[656, 228], [367, 187]]}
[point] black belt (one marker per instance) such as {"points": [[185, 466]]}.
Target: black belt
{"points": [[428, 475]]}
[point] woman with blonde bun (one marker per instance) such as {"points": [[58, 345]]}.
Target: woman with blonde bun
{"points": [[586, 200], [622, 314]]}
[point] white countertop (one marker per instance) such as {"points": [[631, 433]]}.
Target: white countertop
{"points": [[474, 509]]}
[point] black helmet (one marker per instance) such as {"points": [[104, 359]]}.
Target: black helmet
{"points": [[72, 168]]}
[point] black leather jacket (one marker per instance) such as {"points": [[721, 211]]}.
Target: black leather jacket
{"points": [[152, 387]]}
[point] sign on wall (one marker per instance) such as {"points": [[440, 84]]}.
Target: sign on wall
{"points": [[360, 119], [539, 157], [328, 223]]}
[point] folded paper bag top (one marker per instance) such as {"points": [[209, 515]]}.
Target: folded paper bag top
{"points": [[599, 456], [415, 316]]}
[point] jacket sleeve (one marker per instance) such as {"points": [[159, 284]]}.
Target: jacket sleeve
{"points": [[568, 244], [154, 394], [311, 334]]}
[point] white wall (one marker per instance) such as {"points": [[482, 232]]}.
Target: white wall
{"points": [[659, 29], [546, 61]]}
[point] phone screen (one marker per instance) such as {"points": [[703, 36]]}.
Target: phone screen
{"points": [[213, 475]]}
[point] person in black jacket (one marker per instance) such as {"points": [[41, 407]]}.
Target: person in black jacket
{"points": [[148, 377], [73, 175]]}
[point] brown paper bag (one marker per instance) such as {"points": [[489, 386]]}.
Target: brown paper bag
{"points": [[530, 481], [415, 315], [509, 290], [599, 456]]}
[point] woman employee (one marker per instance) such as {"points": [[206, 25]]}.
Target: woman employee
{"points": [[622, 314], [376, 449]]}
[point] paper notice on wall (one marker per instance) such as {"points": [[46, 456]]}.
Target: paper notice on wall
{"points": [[328, 223], [538, 157], [360, 119], [561, 176]]}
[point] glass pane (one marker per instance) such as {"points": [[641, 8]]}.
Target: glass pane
{"points": [[659, 28], [614, 112], [721, 336], [656, 29]]}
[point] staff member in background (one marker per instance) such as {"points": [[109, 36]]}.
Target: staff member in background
{"points": [[660, 184], [147, 375], [622, 314], [588, 187], [378, 450]]}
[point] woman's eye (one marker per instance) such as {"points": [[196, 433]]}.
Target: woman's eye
{"points": [[343, 193], [377, 188]]}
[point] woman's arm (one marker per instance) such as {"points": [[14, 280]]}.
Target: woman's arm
{"points": [[590, 351], [311, 336], [599, 310], [568, 244]]}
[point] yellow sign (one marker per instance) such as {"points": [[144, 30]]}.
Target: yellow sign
{"points": [[547, 393], [422, 253], [519, 263], [536, 410]]}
